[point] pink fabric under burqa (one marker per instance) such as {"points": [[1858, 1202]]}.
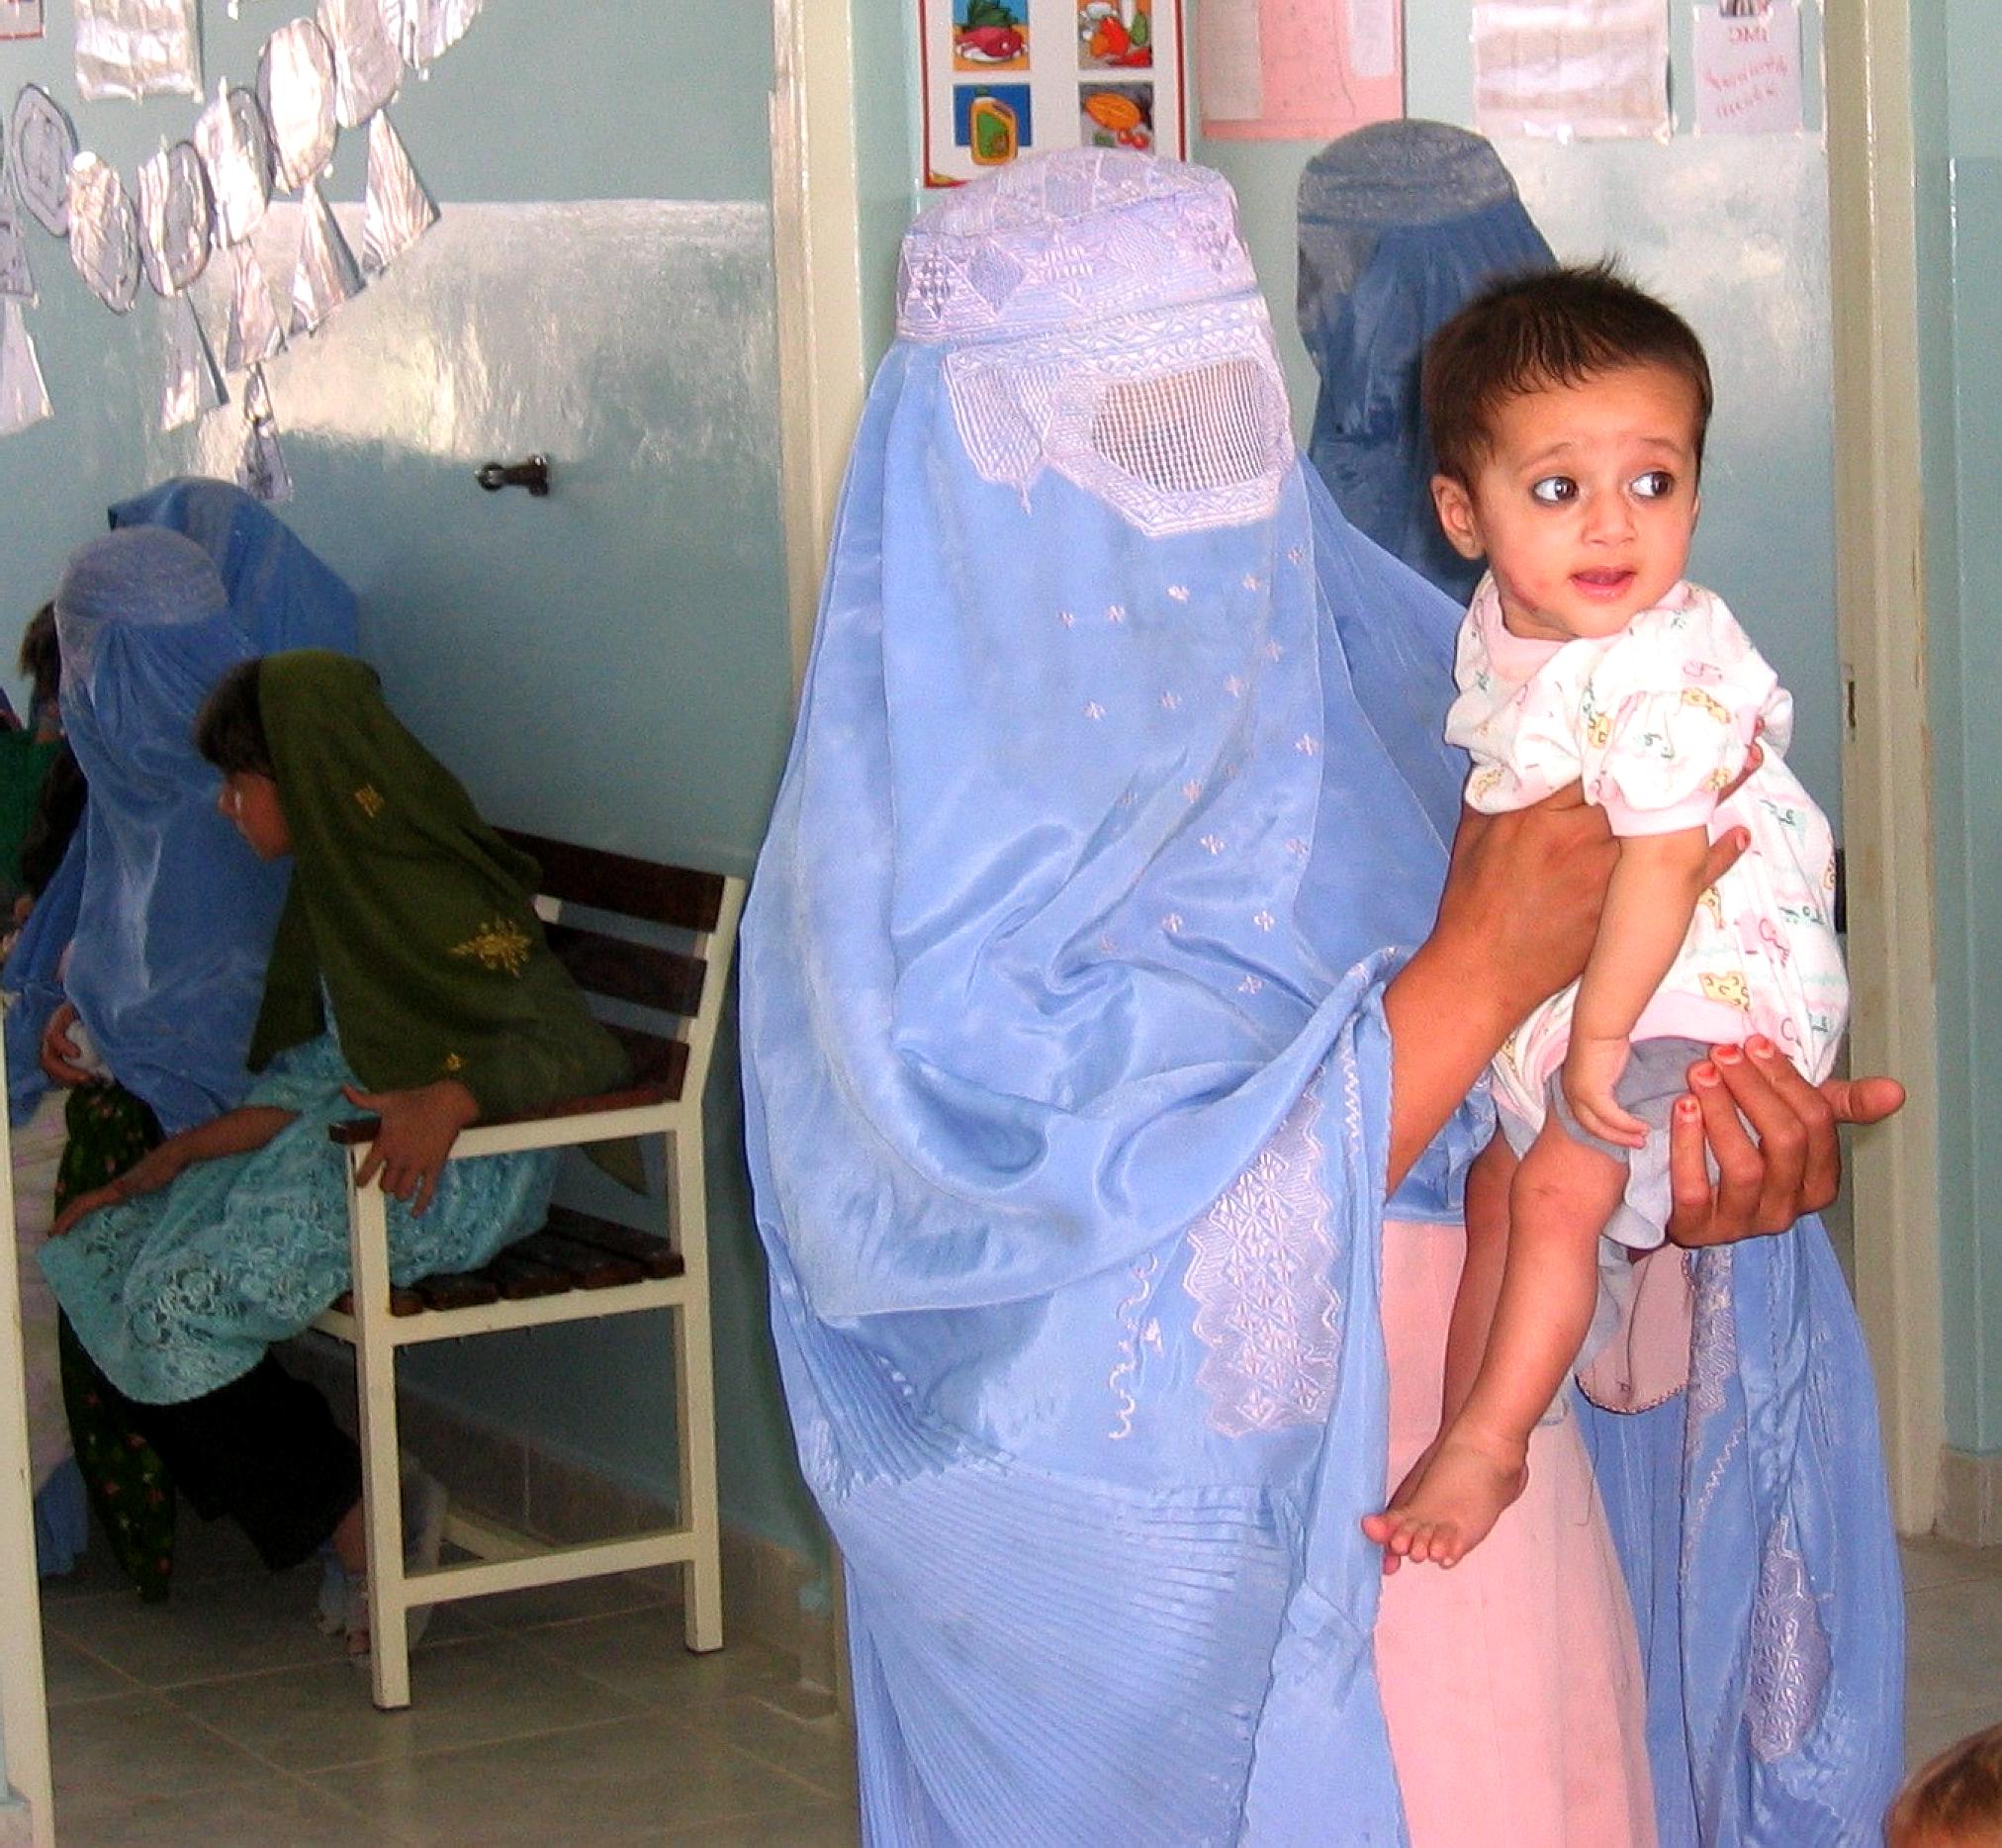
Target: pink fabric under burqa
{"points": [[1511, 1682]]}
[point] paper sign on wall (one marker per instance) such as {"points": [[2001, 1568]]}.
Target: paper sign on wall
{"points": [[1009, 77], [1748, 69], [1298, 69], [1583, 69]]}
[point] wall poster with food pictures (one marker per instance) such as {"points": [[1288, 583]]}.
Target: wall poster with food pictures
{"points": [[1010, 77]]}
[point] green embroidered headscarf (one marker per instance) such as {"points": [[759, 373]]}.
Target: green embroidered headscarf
{"points": [[415, 914]]}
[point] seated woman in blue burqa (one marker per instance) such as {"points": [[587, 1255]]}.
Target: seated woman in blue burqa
{"points": [[1111, 1018]]}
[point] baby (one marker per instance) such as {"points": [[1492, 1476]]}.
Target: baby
{"points": [[1567, 411], [1955, 1801]]}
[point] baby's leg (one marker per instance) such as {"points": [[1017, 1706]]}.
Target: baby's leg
{"points": [[1563, 1194], [1489, 1180]]}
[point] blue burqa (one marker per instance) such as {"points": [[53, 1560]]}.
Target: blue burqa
{"points": [[1399, 223], [168, 915], [1117, 797]]}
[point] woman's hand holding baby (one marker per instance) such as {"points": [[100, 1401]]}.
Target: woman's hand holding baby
{"points": [[418, 1129]]}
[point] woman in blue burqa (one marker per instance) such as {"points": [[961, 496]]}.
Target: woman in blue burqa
{"points": [[153, 933], [1111, 1011], [1400, 224]]}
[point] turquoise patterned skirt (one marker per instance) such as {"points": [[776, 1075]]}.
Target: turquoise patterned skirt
{"points": [[179, 1292]]}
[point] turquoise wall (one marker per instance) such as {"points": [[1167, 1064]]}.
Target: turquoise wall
{"points": [[609, 664], [1958, 46]]}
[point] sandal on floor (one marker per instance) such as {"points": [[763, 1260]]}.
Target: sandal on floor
{"points": [[423, 1507]]}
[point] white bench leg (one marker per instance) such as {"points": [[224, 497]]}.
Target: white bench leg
{"points": [[381, 1465], [696, 1398]]}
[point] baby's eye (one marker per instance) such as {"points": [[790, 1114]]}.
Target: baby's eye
{"points": [[1553, 491], [1655, 484]]}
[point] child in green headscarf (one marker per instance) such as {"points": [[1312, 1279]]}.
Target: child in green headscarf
{"points": [[410, 978]]}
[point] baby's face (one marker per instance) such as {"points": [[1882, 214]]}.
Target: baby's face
{"points": [[1585, 503]]}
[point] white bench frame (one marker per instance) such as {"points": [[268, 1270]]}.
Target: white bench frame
{"points": [[507, 1560]]}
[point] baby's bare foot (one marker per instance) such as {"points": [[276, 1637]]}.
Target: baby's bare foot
{"points": [[1445, 1507]]}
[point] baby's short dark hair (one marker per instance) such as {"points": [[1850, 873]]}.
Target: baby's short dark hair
{"points": [[230, 728], [1955, 1798], [1552, 328]]}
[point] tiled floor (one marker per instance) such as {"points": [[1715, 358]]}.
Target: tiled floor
{"points": [[568, 1716], [225, 1720]]}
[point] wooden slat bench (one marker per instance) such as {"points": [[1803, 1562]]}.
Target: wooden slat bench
{"points": [[606, 915]]}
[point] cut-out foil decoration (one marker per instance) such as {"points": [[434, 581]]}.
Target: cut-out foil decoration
{"points": [[103, 233], [395, 209], [255, 333], [260, 469], [176, 217], [235, 144], [194, 384], [129, 48], [431, 27], [368, 63], [41, 145], [17, 276], [23, 399], [326, 275], [295, 88]]}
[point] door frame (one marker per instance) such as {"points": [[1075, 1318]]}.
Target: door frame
{"points": [[23, 1699], [1881, 624], [816, 239]]}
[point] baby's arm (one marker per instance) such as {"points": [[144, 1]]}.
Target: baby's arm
{"points": [[1648, 907]]}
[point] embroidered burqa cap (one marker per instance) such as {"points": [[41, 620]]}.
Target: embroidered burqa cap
{"points": [[1118, 790], [1399, 223]]}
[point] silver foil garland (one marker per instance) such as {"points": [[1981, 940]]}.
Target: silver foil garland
{"points": [[193, 382], [103, 233], [397, 210], [129, 48], [295, 88], [234, 143], [326, 274], [40, 148], [17, 274], [260, 466], [368, 62], [255, 333], [432, 26], [177, 218], [24, 398]]}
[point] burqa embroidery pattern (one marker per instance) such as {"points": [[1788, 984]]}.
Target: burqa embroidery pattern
{"points": [[1788, 1664], [1260, 1272]]}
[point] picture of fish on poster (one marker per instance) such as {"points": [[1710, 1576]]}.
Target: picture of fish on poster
{"points": [[1003, 78]]}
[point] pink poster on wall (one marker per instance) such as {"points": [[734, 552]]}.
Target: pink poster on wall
{"points": [[1302, 70]]}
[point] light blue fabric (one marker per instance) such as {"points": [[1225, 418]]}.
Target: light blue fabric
{"points": [[179, 1292], [175, 917], [284, 595], [1093, 855], [1753, 1524], [177, 992], [1399, 223]]}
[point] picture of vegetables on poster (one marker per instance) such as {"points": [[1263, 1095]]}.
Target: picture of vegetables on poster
{"points": [[990, 35], [1119, 115], [1005, 79], [1115, 35]]}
